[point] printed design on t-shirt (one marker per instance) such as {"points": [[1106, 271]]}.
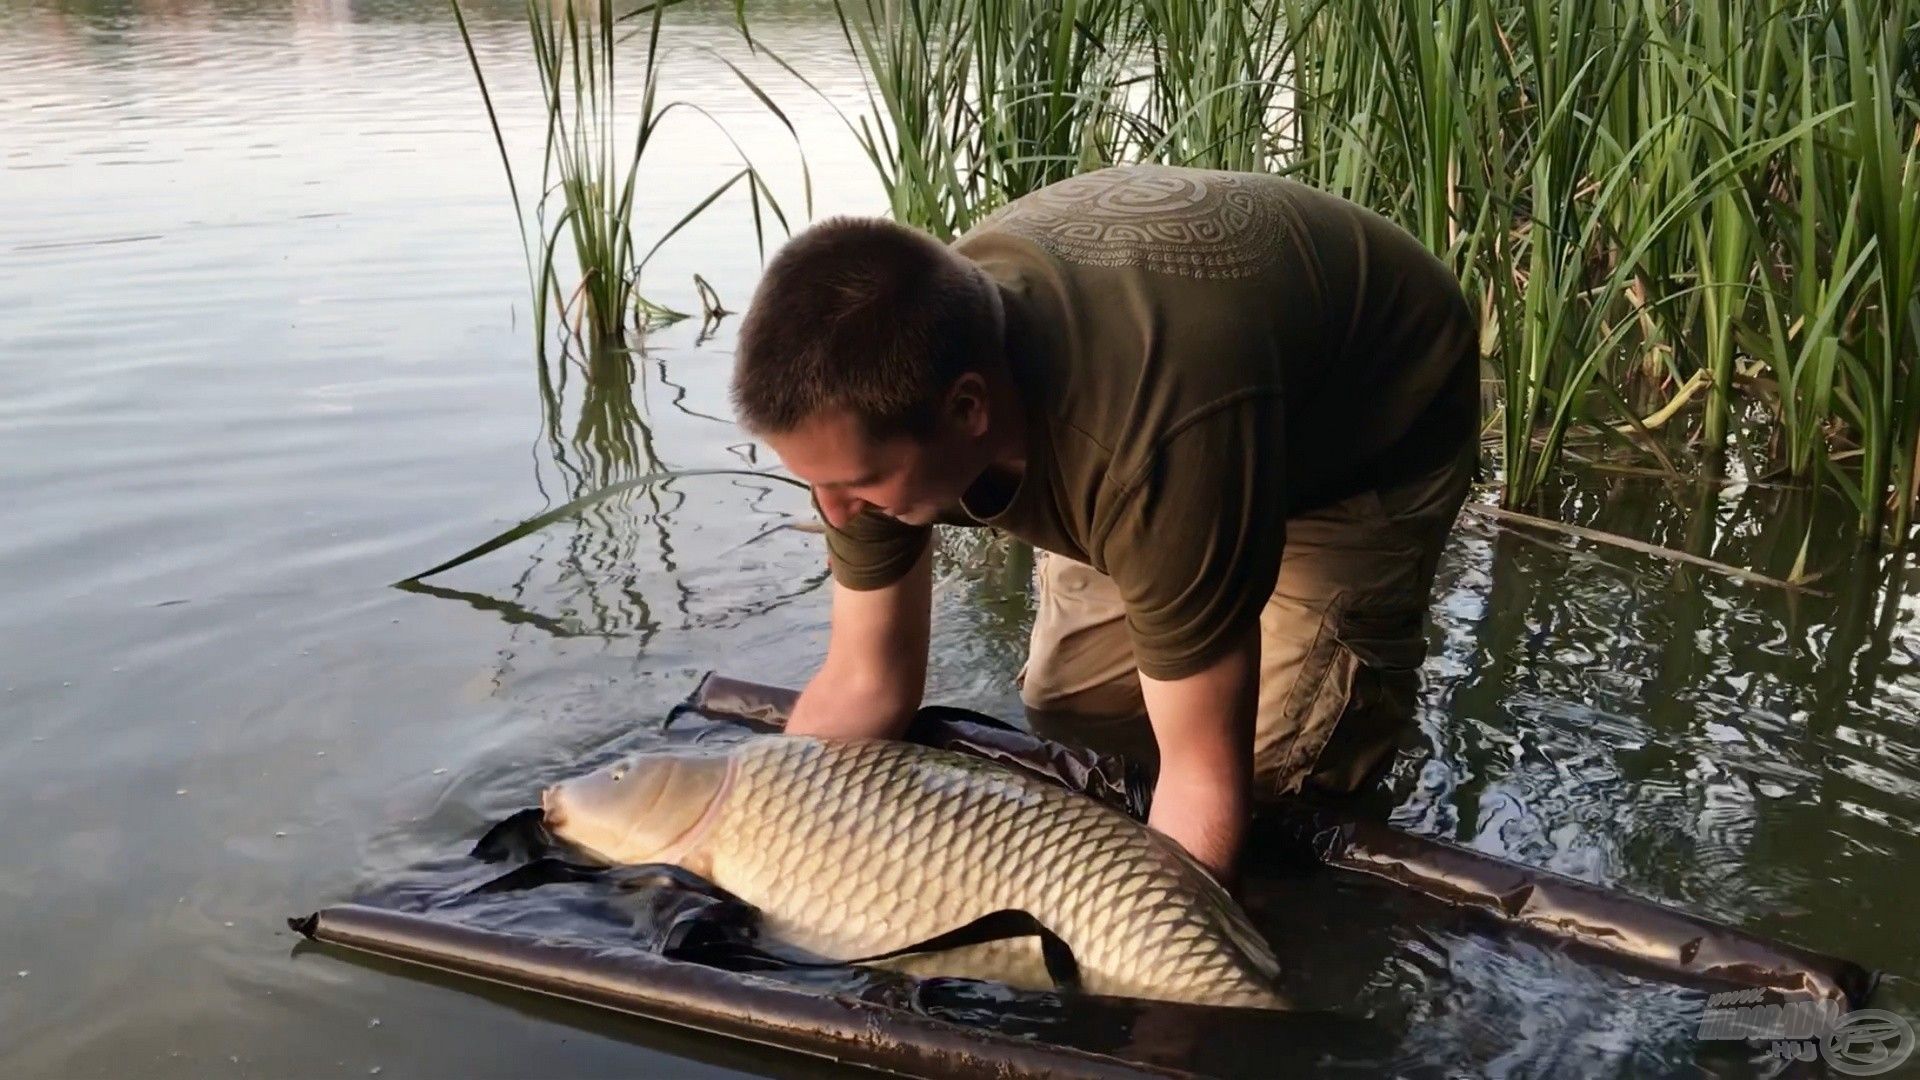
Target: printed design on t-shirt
{"points": [[1169, 220]]}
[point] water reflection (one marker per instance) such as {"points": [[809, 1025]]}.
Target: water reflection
{"points": [[1681, 735], [617, 570]]}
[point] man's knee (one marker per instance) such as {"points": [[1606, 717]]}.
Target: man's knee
{"points": [[1051, 689], [1125, 735], [1079, 658], [1339, 694]]}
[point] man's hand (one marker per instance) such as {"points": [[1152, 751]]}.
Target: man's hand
{"points": [[1204, 726], [876, 667]]}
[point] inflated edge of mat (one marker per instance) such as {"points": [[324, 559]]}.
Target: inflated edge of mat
{"points": [[731, 1004]]}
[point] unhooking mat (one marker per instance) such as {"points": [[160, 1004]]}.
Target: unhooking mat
{"points": [[521, 910]]}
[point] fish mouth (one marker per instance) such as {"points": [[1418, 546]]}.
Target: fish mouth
{"points": [[550, 810]]}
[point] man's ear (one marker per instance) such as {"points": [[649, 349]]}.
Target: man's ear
{"points": [[967, 404]]}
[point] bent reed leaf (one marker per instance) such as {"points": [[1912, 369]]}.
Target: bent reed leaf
{"points": [[561, 513]]}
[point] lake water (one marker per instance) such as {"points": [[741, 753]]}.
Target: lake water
{"points": [[264, 350]]}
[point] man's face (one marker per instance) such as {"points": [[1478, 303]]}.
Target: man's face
{"points": [[908, 479]]}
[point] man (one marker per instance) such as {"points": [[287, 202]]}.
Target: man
{"points": [[1236, 415]]}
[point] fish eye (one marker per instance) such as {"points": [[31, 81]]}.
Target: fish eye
{"points": [[618, 773]]}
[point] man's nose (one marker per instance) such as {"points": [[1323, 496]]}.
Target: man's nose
{"points": [[838, 509]]}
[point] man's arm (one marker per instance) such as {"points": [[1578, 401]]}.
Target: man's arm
{"points": [[876, 666], [1204, 725], [1195, 553]]}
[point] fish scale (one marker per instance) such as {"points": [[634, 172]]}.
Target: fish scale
{"points": [[857, 847]]}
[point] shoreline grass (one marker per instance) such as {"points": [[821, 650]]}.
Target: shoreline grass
{"points": [[1706, 213], [1643, 198]]}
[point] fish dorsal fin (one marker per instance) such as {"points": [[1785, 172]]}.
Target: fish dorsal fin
{"points": [[1233, 919]]}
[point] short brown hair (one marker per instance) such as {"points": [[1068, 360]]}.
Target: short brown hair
{"points": [[866, 315]]}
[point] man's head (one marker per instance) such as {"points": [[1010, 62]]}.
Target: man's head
{"points": [[868, 360]]}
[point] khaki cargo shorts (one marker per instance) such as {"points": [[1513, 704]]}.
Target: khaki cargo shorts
{"points": [[1341, 642]]}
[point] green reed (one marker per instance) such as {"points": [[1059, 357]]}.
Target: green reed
{"points": [[1644, 199], [972, 104], [590, 167]]}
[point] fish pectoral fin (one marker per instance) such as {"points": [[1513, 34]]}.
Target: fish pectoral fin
{"points": [[532, 875], [683, 916], [1000, 925], [640, 876], [522, 835]]}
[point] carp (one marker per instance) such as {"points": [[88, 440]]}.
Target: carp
{"points": [[859, 847]]}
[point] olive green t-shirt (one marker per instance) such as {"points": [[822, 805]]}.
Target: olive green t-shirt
{"points": [[1202, 354]]}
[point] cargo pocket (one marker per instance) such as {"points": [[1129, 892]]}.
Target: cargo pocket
{"points": [[1371, 692]]}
